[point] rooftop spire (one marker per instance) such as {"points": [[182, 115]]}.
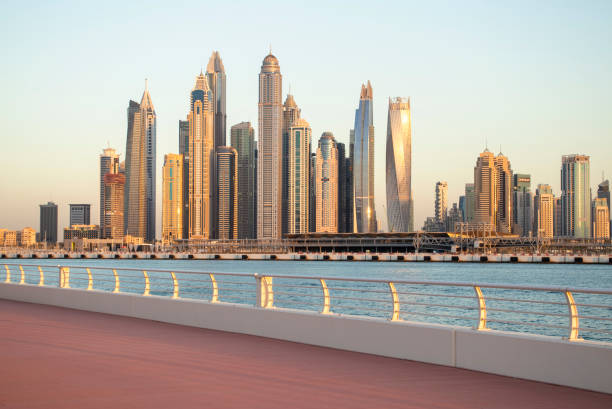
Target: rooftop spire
{"points": [[146, 101], [215, 63]]}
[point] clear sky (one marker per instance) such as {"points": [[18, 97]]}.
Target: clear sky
{"points": [[534, 78]]}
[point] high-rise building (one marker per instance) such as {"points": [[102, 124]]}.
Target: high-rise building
{"points": [[201, 160], [312, 195], [400, 213], [291, 113], [227, 192], [544, 212], [243, 140], [172, 198], [270, 149], [140, 168], [343, 190], [441, 202], [80, 214], [557, 217], [48, 223], [601, 219], [522, 205], [184, 150], [114, 202], [326, 185], [503, 221], [215, 74], [453, 217], [470, 203], [575, 196], [485, 189], [299, 162], [363, 163], [603, 192], [109, 163]]}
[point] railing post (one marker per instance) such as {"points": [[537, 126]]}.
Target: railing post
{"points": [[22, 279], [175, 293], [265, 292], [42, 276], [8, 274], [482, 309], [215, 288], [89, 280], [147, 290], [64, 276], [573, 316], [326, 300], [396, 303], [116, 290]]}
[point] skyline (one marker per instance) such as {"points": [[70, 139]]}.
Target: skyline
{"points": [[551, 100]]}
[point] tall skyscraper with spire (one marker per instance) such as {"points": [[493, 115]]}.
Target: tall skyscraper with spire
{"points": [[140, 169], [399, 166], [215, 74], [363, 165], [269, 166], [201, 159]]}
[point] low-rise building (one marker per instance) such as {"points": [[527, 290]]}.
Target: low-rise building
{"points": [[82, 231]]}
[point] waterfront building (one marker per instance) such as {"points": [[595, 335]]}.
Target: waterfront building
{"points": [[243, 140], [522, 205], [2, 233], [503, 198], [201, 160], [441, 202], [575, 196], [227, 192], [299, 162], [82, 231], [362, 139], [312, 196], [184, 150], [544, 212], [80, 214], [345, 202], [269, 166], [10, 238], [114, 202], [400, 212], [603, 192], [109, 163], [27, 237], [485, 189], [470, 203], [558, 217], [601, 218], [326, 185], [291, 113], [215, 75], [140, 169], [48, 223], [172, 198]]}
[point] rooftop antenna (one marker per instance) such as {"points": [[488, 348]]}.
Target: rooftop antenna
{"points": [[486, 144], [270, 48]]}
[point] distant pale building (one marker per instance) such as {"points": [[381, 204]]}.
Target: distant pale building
{"points": [[227, 192], [172, 198], [48, 223], [503, 221], [470, 203], [326, 184], [575, 196], [453, 217], [601, 219], [298, 196], [400, 212], [80, 214], [82, 231], [243, 140], [441, 202], [544, 212], [114, 201], [27, 237], [109, 163], [522, 205]]}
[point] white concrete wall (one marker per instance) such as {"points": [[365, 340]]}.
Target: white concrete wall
{"points": [[579, 364]]}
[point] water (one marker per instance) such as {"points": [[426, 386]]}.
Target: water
{"points": [[454, 305]]}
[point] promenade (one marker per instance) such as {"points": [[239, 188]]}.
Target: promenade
{"points": [[53, 357]]}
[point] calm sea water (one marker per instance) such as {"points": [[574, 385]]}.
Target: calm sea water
{"points": [[453, 305]]}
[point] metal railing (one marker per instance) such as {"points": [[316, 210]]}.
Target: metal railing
{"points": [[572, 313]]}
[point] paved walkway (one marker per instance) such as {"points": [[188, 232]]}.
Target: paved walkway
{"points": [[60, 358]]}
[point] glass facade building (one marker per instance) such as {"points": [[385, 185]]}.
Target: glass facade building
{"points": [[243, 140], [575, 196]]}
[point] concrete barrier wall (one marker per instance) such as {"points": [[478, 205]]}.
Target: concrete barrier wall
{"points": [[578, 364]]}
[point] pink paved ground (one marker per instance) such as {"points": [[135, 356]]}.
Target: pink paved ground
{"points": [[60, 358]]}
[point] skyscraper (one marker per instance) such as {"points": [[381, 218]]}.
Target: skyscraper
{"points": [[503, 220], [363, 164], [544, 212], [215, 74], [575, 196], [312, 196], [48, 223], [184, 151], [399, 166], [326, 184], [298, 194], [269, 166], [470, 203], [291, 113], [485, 189], [603, 192], [114, 202], [109, 163], [601, 219], [201, 159], [172, 198], [441, 202], [140, 169], [557, 217], [342, 187], [80, 214], [227, 192], [522, 205], [243, 140]]}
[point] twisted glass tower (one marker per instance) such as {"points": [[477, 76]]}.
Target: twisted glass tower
{"points": [[399, 166]]}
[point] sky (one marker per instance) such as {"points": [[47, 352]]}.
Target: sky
{"points": [[532, 79]]}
